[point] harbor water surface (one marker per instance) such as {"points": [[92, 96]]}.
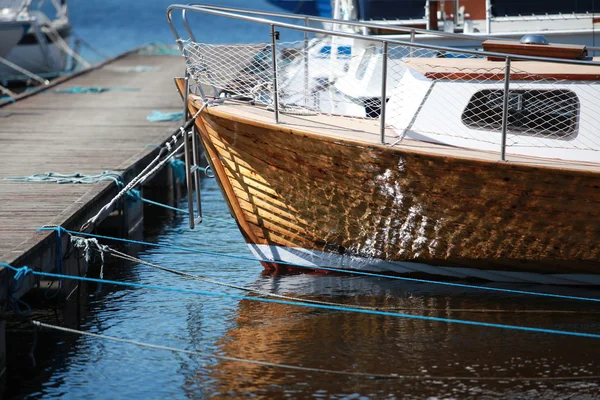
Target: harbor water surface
{"points": [[421, 359]]}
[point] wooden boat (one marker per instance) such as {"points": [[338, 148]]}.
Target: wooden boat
{"points": [[429, 193]]}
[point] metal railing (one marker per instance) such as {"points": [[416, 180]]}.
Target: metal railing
{"points": [[239, 14], [411, 31]]}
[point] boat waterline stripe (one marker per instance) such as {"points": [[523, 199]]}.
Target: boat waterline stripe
{"points": [[21, 272], [292, 256], [346, 271]]}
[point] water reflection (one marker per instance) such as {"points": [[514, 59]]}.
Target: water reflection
{"points": [[354, 342], [84, 367]]}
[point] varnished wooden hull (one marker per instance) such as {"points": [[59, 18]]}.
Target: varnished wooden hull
{"points": [[363, 206]]}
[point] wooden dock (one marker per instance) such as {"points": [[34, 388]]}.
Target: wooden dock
{"points": [[77, 132]]}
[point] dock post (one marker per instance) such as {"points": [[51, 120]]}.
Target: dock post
{"points": [[2, 351], [133, 217], [505, 108]]}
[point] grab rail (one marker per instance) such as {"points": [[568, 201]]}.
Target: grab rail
{"points": [[361, 24], [385, 42], [377, 39]]}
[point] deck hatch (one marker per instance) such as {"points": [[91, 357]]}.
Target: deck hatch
{"points": [[551, 112]]}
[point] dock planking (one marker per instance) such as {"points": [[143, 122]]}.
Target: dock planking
{"points": [[85, 132]]}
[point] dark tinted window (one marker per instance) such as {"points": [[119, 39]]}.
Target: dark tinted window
{"points": [[391, 9], [530, 111], [501, 8]]}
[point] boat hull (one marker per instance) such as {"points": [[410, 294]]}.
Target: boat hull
{"points": [[369, 207], [47, 61], [11, 32]]}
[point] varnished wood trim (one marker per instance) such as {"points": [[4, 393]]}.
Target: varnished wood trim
{"points": [[564, 51]]}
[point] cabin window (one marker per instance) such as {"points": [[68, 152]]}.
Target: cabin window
{"points": [[552, 112]]}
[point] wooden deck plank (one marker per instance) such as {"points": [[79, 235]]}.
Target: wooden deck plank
{"points": [[87, 133]]}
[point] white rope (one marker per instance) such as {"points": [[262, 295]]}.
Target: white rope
{"points": [[60, 42], [8, 92], [24, 71], [87, 245], [309, 369], [147, 172], [127, 257], [124, 256], [115, 199]]}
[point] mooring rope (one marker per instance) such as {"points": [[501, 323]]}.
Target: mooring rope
{"points": [[102, 54], [14, 287], [344, 271], [64, 46], [160, 116], [309, 305], [127, 257], [87, 245], [10, 95], [76, 177], [95, 89], [135, 195], [167, 151], [178, 168], [310, 369], [159, 49]]}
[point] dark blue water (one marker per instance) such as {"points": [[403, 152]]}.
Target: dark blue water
{"points": [[115, 26], [50, 364]]}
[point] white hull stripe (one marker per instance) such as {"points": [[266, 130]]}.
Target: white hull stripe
{"points": [[315, 258]]}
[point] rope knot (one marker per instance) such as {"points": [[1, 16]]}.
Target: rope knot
{"points": [[134, 194], [22, 272]]}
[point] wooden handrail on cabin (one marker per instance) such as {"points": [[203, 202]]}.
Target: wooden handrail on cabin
{"points": [[552, 50]]}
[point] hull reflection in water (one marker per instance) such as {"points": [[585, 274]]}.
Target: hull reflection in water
{"points": [[353, 342]]}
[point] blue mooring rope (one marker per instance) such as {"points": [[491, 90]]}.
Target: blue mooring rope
{"points": [[94, 89], [14, 286], [159, 49], [178, 167], [312, 305], [159, 116], [135, 195], [312, 268]]}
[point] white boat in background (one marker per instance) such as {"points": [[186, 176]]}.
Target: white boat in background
{"points": [[561, 21], [38, 42], [10, 32]]}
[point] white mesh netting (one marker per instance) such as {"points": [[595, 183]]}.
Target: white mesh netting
{"points": [[447, 97]]}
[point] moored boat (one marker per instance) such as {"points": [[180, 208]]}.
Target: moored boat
{"points": [[12, 32], [43, 46], [478, 164]]}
